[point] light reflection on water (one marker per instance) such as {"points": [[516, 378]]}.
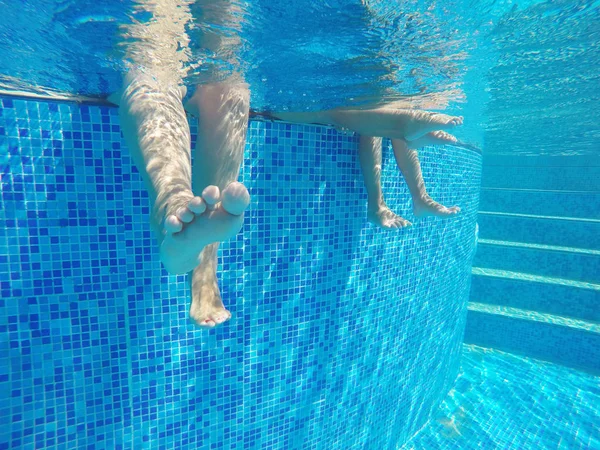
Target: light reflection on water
{"points": [[528, 71]]}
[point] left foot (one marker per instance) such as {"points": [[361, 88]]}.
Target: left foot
{"points": [[428, 207], [384, 218]]}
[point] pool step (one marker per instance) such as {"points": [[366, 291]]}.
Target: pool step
{"points": [[536, 259], [577, 178], [553, 203], [574, 299], [553, 338], [537, 229]]}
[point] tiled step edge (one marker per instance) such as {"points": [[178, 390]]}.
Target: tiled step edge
{"points": [[517, 313], [570, 342], [498, 273], [535, 216], [551, 248]]}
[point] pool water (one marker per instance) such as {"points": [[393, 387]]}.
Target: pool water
{"points": [[342, 336], [504, 401]]}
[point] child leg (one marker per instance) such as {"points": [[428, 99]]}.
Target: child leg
{"points": [[378, 213], [408, 163]]}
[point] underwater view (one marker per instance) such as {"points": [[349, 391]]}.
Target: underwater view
{"points": [[345, 224]]}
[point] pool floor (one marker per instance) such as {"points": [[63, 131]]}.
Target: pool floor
{"points": [[503, 401]]}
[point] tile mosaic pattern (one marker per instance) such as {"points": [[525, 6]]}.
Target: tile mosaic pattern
{"points": [[550, 203], [571, 343], [497, 403], [335, 323], [544, 230], [558, 296], [551, 261]]}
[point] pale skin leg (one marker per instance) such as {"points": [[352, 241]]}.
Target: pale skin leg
{"points": [[408, 163], [222, 111], [409, 124], [370, 158], [156, 130], [157, 133], [393, 123]]}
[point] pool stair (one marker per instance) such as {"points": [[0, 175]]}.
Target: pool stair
{"points": [[570, 342], [535, 287]]}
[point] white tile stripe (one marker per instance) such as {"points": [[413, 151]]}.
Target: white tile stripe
{"points": [[534, 316], [482, 271]]}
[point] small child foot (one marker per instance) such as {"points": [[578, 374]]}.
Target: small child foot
{"points": [[428, 207], [384, 218], [214, 217]]}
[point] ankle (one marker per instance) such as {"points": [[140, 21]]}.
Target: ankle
{"points": [[376, 205]]}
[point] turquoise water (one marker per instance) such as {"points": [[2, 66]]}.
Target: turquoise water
{"points": [[506, 401], [343, 336], [335, 323]]}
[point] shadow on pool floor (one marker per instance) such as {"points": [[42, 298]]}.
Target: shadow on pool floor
{"points": [[503, 401]]}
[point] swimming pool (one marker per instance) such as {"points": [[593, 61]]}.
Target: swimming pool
{"points": [[328, 331], [343, 335]]}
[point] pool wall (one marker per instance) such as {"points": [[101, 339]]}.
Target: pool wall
{"points": [[342, 335]]}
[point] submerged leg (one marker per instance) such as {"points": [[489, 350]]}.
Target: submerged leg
{"points": [[382, 122], [157, 133], [378, 213], [408, 163], [393, 123], [222, 111]]}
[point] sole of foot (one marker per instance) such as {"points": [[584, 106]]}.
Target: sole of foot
{"points": [[213, 217]]}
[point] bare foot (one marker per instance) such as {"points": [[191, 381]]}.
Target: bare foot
{"points": [[384, 218], [207, 309], [434, 138], [214, 217], [426, 206], [420, 123]]}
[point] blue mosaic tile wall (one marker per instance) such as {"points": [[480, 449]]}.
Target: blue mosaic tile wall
{"points": [[342, 336]]}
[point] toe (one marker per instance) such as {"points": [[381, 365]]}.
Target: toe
{"points": [[173, 225], [185, 215], [207, 323], [235, 198], [220, 318], [211, 196], [197, 205]]}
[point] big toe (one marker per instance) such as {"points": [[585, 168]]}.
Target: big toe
{"points": [[235, 198]]}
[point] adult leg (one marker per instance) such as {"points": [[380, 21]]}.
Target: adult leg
{"points": [[222, 110], [157, 133], [408, 163], [370, 158]]}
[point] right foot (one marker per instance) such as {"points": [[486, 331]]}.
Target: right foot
{"points": [[429, 207], [214, 217], [384, 218]]}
